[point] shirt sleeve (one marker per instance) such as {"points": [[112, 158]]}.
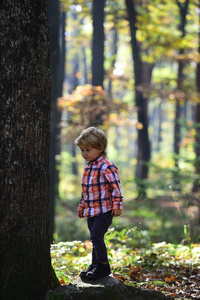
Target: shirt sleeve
{"points": [[112, 177], [81, 204]]}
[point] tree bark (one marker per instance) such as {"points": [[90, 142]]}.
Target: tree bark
{"points": [[98, 43], [26, 271], [140, 69], [54, 24]]}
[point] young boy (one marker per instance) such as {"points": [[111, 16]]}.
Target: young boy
{"points": [[101, 197]]}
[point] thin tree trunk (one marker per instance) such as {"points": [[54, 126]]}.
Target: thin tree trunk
{"points": [[26, 271], [160, 119], [98, 43], [196, 186], [73, 147], [114, 53], [75, 81], [140, 69], [85, 65], [183, 8], [74, 162]]}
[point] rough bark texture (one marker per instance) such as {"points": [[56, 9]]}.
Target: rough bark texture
{"points": [[98, 42], [106, 288], [54, 23], [26, 271]]}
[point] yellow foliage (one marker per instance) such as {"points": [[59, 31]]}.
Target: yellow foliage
{"points": [[89, 106]]}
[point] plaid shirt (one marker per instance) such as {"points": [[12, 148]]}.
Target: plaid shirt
{"points": [[101, 190]]}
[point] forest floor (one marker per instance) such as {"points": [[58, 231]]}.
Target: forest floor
{"points": [[175, 282], [181, 278], [172, 269], [136, 255]]}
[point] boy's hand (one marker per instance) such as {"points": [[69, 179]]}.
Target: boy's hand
{"points": [[117, 212], [80, 214]]}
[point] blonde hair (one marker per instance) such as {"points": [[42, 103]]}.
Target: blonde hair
{"points": [[93, 137]]}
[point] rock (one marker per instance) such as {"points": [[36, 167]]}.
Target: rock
{"points": [[106, 288]]}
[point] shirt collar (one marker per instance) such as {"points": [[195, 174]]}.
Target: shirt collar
{"points": [[95, 162]]}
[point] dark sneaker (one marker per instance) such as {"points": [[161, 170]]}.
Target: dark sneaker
{"points": [[90, 268], [100, 270]]}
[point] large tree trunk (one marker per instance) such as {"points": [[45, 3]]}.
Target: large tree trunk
{"points": [[98, 43], [26, 271], [140, 69]]}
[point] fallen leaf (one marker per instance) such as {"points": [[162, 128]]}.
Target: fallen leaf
{"points": [[171, 279]]}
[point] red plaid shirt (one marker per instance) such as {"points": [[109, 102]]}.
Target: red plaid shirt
{"points": [[101, 190]]}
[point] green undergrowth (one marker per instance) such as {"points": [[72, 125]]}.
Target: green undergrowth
{"points": [[128, 250]]}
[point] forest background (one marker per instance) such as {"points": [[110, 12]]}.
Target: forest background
{"points": [[132, 69]]}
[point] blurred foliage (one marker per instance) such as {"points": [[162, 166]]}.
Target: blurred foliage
{"points": [[161, 216], [89, 106], [170, 210]]}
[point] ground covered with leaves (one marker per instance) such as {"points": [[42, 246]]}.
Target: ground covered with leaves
{"points": [[172, 269]]}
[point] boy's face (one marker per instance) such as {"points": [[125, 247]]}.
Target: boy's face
{"points": [[89, 153]]}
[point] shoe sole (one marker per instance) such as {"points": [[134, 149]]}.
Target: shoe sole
{"points": [[83, 275], [97, 277]]}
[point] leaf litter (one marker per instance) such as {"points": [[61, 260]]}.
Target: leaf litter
{"points": [[171, 269]]}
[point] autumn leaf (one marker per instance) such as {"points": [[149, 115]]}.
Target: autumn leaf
{"points": [[120, 277], [62, 281], [171, 279], [135, 272]]}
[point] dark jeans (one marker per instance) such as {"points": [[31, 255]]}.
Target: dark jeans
{"points": [[98, 226]]}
